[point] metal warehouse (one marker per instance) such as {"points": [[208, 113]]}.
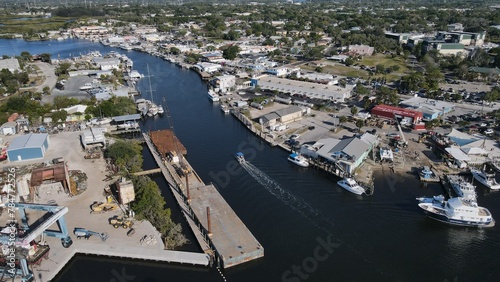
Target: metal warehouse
{"points": [[387, 111], [28, 147]]}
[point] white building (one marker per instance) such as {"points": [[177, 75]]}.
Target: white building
{"points": [[309, 89], [225, 82], [12, 64], [208, 67], [8, 128], [107, 63], [280, 71]]}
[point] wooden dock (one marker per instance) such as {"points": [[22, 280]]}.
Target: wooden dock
{"points": [[147, 172], [216, 226]]}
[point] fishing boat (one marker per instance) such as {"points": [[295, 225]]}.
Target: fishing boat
{"points": [[213, 96], [462, 188], [298, 160], [351, 185], [161, 111], [487, 179], [224, 108], [457, 211]]}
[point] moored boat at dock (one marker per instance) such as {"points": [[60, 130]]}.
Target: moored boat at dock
{"points": [[224, 108], [462, 188], [457, 211], [298, 160], [486, 179], [351, 185], [213, 96]]}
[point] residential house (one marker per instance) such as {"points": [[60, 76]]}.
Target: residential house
{"points": [[401, 38], [485, 73]]}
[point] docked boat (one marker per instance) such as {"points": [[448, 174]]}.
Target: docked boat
{"points": [[161, 111], [386, 154], [435, 199], [240, 157], [213, 96], [427, 175], [462, 188], [152, 110], [457, 211], [298, 160], [128, 125], [351, 185], [487, 179], [224, 108]]}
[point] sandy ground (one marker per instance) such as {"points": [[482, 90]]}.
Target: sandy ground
{"points": [[67, 145]]}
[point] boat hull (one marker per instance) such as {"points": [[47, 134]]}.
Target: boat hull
{"points": [[359, 191], [301, 164], [456, 222]]}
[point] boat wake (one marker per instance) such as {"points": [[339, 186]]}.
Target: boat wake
{"points": [[303, 208], [306, 210]]}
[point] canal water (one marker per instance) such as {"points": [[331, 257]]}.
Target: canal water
{"points": [[311, 229]]}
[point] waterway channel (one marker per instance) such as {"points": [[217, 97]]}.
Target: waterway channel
{"points": [[311, 229]]}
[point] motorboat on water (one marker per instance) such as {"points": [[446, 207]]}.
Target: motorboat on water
{"points": [[213, 96], [224, 108], [298, 160], [487, 179], [386, 154], [240, 157], [462, 188], [351, 185], [457, 211]]}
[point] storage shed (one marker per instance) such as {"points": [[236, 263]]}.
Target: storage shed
{"points": [[28, 147]]}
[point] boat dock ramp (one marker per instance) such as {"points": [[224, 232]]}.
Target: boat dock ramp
{"points": [[219, 231]]}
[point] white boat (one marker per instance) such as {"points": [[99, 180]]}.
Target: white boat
{"points": [[487, 180], [351, 185], [298, 160], [457, 211], [161, 111], [213, 96], [427, 175], [104, 120], [224, 108], [386, 154], [152, 110], [128, 125], [240, 157], [462, 188]]}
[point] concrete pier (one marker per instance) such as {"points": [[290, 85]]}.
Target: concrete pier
{"points": [[223, 233]]}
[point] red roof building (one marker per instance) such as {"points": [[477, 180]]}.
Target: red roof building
{"points": [[389, 112]]}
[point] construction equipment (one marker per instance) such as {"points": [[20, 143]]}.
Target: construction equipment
{"points": [[84, 233], [118, 221], [401, 143], [100, 207]]}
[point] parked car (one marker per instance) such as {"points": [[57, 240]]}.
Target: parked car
{"points": [[489, 131]]}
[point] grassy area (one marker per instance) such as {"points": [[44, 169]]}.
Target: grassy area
{"points": [[386, 61], [14, 25]]}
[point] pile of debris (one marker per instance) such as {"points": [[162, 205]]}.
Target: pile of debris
{"points": [[78, 181]]}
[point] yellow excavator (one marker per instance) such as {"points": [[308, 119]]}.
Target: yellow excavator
{"points": [[100, 207]]}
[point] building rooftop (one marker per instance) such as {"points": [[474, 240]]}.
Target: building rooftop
{"points": [[127, 118], [428, 105], [31, 140]]}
